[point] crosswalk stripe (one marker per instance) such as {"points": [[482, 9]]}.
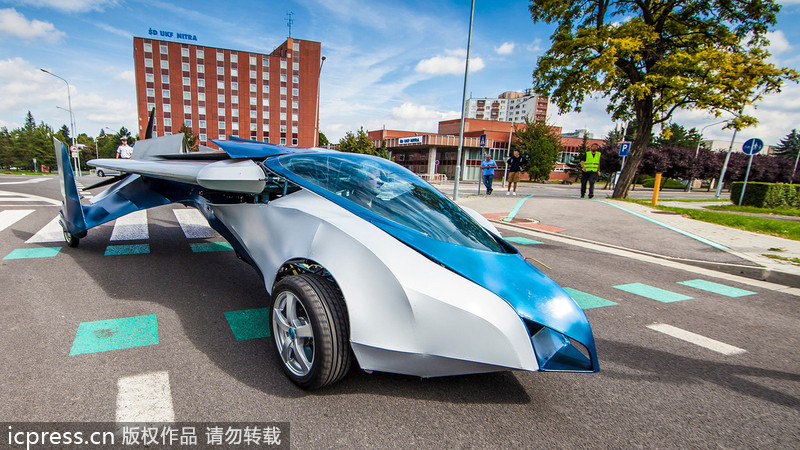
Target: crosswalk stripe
{"points": [[11, 216], [688, 336], [131, 227], [193, 224], [52, 232], [721, 289], [145, 398], [654, 293], [586, 300]]}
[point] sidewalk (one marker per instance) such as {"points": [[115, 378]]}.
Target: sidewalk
{"points": [[745, 249]]}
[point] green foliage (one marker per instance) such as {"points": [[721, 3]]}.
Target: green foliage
{"points": [[540, 144], [322, 139], [767, 195], [191, 139], [790, 145], [651, 58], [361, 143], [676, 136], [666, 183]]}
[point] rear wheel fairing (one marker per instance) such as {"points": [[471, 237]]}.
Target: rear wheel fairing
{"points": [[397, 299]]}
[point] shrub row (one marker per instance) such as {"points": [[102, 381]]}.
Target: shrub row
{"points": [[666, 183], [767, 195]]}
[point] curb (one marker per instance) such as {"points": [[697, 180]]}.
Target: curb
{"points": [[756, 272]]}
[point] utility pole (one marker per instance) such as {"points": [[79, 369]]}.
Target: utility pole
{"points": [[463, 106]]}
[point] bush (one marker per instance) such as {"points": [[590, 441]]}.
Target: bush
{"points": [[666, 183], [767, 195]]}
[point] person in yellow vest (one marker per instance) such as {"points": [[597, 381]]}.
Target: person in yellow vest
{"points": [[590, 163]]}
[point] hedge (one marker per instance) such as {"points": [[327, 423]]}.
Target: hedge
{"points": [[767, 195], [666, 183]]}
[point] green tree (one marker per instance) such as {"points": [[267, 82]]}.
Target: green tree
{"points": [[790, 145], [322, 139], [191, 139], [361, 143], [6, 146], [650, 58], [63, 135], [540, 144], [677, 136], [30, 123]]}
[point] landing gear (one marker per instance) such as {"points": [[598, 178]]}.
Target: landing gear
{"points": [[71, 240]]}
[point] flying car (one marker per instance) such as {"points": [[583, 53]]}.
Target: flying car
{"points": [[364, 262]]}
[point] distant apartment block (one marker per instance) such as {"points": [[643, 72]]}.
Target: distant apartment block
{"points": [[509, 107], [220, 92]]}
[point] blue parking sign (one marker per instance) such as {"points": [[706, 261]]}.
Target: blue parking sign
{"points": [[624, 148]]}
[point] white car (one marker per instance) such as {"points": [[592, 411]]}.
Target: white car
{"points": [[365, 262]]}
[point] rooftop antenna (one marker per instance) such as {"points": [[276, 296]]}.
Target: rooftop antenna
{"points": [[289, 21]]}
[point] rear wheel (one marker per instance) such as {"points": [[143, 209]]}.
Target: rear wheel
{"points": [[71, 240], [309, 326], [100, 173]]}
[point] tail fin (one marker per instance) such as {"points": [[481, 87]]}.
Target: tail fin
{"points": [[72, 219]]}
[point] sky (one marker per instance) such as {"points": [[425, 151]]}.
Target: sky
{"points": [[392, 64]]}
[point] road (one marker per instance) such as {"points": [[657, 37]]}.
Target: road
{"points": [[681, 365]]}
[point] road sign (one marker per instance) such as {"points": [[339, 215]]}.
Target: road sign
{"points": [[624, 148], [752, 146], [483, 140], [437, 162], [74, 151]]}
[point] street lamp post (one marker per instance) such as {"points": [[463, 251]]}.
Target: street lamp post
{"points": [[727, 158], [316, 114], [697, 151], [463, 107], [71, 116]]}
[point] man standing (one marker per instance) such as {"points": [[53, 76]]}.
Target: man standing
{"points": [[488, 165], [124, 150], [590, 163], [515, 165]]}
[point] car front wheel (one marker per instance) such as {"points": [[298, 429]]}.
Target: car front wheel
{"points": [[100, 174], [309, 326]]}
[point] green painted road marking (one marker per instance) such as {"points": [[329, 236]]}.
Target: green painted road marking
{"points": [[522, 240], [199, 247], [717, 288], [661, 295], [131, 249], [516, 209], [115, 334], [249, 323], [588, 301], [41, 252], [669, 227]]}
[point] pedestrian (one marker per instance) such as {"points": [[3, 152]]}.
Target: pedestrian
{"points": [[488, 165], [515, 165], [590, 163], [124, 150]]}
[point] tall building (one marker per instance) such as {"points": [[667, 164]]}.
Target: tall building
{"points": [[509, 107], [219, 92]]}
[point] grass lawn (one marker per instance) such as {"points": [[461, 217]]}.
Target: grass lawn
{"points": [[753, 209], [781, 228]]}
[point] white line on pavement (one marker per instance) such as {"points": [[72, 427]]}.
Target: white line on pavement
{"points": [[11, 216], [145, 398], [688, 336], [193, 224], [131, 227], [52, 232]]}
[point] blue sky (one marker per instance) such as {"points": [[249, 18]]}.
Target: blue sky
{"points": [[393, 64]]}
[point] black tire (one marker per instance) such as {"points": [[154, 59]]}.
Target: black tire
{"points": [[318, 303], [100, 174], [71, 240]]}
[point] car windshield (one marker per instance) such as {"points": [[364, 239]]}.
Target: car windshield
{"points": [[392, 192]]}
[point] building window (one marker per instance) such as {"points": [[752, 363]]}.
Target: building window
{"points": [[165, 64], [166, 107], [295, 66], [294, 141], [283, 117], [148, 47], [220, 71], [283, 141], [283, 64], [294, 129], [234, 99], [164, 49], [283, 92], [252, 60], [295, 118], [202, 124], [187, 109], [221, 112], [199, 54], [150, 107], [283, 103], [295, 104], [234, 86], [265, 102], [295, 79], [187, 81], [201, 68], [188, 122], [235, 126], [296, 46], [167, 122], [253, 101], [148, 77], [201, 110], [185, 67], [222, 126], [295, 92], [234, 72], [165, 79], [234, 58], [264, 75], [201, 82], [253, 114], [253, 127], [283, 78], [252, 74], [221, 98], [220, 56], [266, 89], [202, 137], [165, 93], [265, 61], [253, 87], [234, 113], [151, 92], [148, 62], [201, 96]]}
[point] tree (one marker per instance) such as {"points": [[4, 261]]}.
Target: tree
{"points": [[651, 58], [63, 135], [790, 145], [540, 144], [191, 139], [361, 143], [676, 136], [322, 139]]}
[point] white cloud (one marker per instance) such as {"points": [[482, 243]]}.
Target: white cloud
{"points": [[778, 42], [70, 5], [452, 63], [15, 24], [127, 76], [506, 49], [535, 46]]}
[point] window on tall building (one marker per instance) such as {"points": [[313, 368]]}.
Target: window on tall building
{"points": [[265, 75], [148, 62], [166, 107], [202, 137], [295, 66], [150, 107], [165, 64], [283, 64], [187, 81], [148, 77], [201, 96], [198, 53], [252, 60], [234, 86], [295, 104], [234, 112], [295, 79], [234, 99], [294, 129], [295, 118], [167, 122], [283, 92], [253, 87], [165, 79], [294, 141], [235, 126], [187, 109], [221, 98], [188, 122], [265, 102], [253, 74], [201, 110], [148, 47], [283, 78], [295, 92], [253, 114], [164, 49], [185, 52], [296, 46], [265, 61], [165, 93], [151, 92], [185, 67], [221, 112], [283, 103], [187, 95], [201, 82], [201, 124], [253, 127], [201, 68], [220, 56], [234, 58], [283, 116], [234, 72], [220, 71], [283, 141], [253, 101]]}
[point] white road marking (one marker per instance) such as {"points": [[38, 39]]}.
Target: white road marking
{"points": [[131, 227], [145, 398], [19, 197], [696, 339], [31, 181], [193, 224], [52, 232], [11, 216]]}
